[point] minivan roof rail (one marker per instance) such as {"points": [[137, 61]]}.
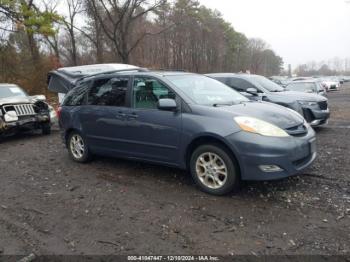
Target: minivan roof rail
{"points": [[64, 79], [113, 72]]}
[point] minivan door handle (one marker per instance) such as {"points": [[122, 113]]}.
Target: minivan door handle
{"points": [[133, 116], [121, 115]]}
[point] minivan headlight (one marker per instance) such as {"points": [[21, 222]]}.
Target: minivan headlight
{"points": [[254, 125]]}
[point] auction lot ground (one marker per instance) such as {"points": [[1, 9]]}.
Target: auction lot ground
{"points": [[51, 205]]}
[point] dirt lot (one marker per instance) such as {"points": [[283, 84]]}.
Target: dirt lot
{"points": [[50, 205]]}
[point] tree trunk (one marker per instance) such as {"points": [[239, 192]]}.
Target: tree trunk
{"points": [[74, 47], [34, 50]]}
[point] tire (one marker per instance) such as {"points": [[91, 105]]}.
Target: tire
{"points": [[79, 153], [46, 129], [214, 170]]}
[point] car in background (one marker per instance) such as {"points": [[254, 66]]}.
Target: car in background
{"points": [[308, 86], [341, 80], [346, 79], [21, 112], [280, 81], [314, 108], [300, 78], [332, 84], [187, 121]]}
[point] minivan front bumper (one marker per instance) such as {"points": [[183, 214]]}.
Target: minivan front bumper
{"points": [[270, 158]]}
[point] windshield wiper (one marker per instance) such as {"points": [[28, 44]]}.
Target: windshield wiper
{"points": [[223, 104], [244, 102]]}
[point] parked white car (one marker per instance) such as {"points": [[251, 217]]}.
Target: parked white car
{"points": [[331, 84]]}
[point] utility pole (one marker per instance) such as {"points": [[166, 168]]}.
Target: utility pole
{"points": [[289, 70]]}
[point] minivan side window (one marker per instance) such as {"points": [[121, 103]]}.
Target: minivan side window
{"points": [[147, 91], [77, 96], [109, 92]]}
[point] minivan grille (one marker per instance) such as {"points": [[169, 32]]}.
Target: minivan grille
{"points": [[302, 161], [21, 110], [323, 105]]}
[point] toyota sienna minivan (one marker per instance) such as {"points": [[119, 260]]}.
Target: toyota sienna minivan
{"points": [[187, 121]]}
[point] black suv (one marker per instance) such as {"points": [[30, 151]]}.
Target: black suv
{"points": [[313, 107]]}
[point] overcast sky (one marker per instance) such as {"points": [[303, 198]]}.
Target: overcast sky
{"points": [[298, 30]]}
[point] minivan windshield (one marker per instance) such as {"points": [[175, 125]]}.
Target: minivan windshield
{"points": [[265, 84], [203, 90], [11, 91]]}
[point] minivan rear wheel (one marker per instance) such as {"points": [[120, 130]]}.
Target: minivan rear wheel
{"points": [[78, 148], [214, 170]]}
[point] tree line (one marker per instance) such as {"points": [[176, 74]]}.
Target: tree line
{"points": [[331, 67], [37, 36]]}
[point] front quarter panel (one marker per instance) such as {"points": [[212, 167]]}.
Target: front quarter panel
{"points": [[203, 122]]}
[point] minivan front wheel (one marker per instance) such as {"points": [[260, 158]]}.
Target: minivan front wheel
{"points": [[77, 147], [213, 170]]}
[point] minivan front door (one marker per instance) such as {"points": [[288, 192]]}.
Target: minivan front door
{"points": [[154, 134]]}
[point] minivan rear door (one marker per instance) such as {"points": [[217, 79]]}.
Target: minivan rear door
{"points": [[104, 119]]}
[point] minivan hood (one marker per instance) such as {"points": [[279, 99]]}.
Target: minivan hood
{"points": [[272, 113], [297, 96], [15, 100]]}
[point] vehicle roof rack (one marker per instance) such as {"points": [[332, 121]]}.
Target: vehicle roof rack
{"points": [[63, 80], [113, 71]]}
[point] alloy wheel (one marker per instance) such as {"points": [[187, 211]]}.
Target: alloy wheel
{"points": [[77, 146], [211, 170]]}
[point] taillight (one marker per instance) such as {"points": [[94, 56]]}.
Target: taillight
{"points": [[58, 112]]}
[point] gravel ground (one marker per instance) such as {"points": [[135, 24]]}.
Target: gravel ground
{"points": [[51, 205]]}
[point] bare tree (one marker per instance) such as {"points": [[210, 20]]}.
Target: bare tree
{"points": [[74, 9], [185, 35], [52, 40], [256, 47], [118, 19], [93, 31]]}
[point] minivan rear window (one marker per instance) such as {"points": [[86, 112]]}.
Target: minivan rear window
{"points": [[111, 92], [77, 96]]}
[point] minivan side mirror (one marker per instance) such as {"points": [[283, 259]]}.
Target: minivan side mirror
{"points": [[166, 104], [252, 91]]}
